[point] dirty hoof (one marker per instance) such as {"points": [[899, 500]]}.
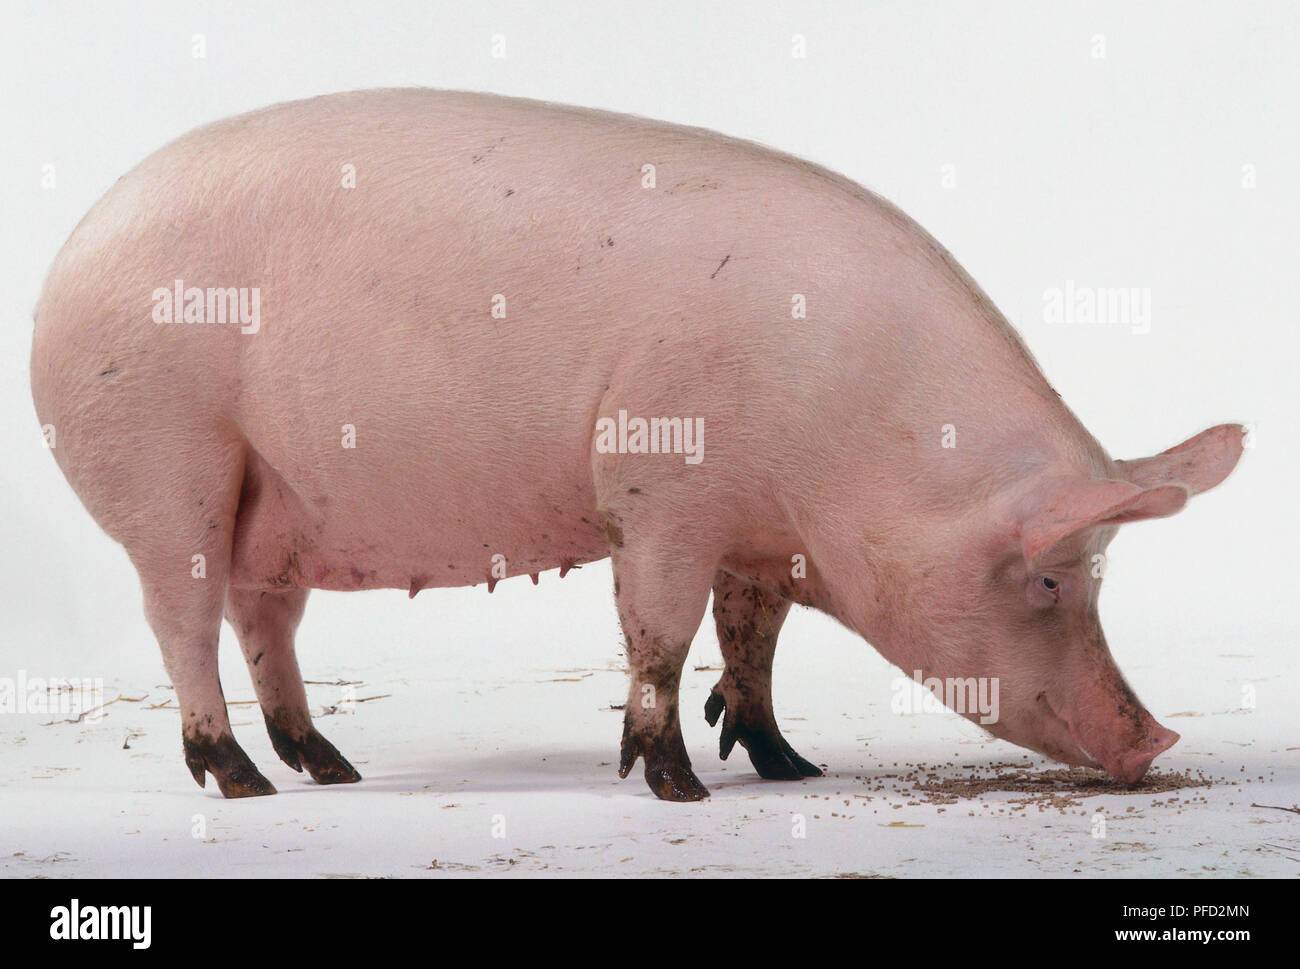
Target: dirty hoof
{"points": [[772, 757], [226, 761], [675, 783], [323, 761], [667, 768]]}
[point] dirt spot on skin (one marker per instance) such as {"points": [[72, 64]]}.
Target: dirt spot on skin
{"points": [[290, 575], [693, 185], [613, 533], [484, 152], [726, 259]]}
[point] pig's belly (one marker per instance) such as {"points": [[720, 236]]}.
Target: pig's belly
{"points": [[409, 534]]}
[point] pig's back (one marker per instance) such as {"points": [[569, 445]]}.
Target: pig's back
{"points": [[376, 313]]}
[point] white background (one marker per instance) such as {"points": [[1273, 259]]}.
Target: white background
{"points": [[1122, 170]]}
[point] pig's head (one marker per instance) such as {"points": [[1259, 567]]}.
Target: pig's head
{"points": [[1027, 605]]}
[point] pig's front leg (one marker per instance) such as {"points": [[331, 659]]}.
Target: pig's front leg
{"points": [[748, 621], [660, 604], [265, 622]]}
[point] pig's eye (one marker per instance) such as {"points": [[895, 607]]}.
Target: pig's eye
{"points": [[1050, 586]]}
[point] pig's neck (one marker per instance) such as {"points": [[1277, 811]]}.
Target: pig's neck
{"points": [[895, 556], [935, 406]]}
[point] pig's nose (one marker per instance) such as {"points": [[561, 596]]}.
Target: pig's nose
{"points": [[1133, 764]]}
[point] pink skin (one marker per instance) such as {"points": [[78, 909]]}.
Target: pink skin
{"points": [[474, 434]]}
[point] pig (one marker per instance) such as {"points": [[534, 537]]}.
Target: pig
{"points": [[415, 339]]}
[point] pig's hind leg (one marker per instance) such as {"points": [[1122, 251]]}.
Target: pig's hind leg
{"points": [[265, 622], [181, 547], [748, 621]]}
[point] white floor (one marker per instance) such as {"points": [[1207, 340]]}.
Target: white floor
{"points": [[484, 756]]}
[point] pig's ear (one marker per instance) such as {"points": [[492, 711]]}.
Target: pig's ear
{"points": [[1198, 464], [1071, 506]]}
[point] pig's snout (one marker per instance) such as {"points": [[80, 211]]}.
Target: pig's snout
{"points": [[1122, 745], [1127, 755], [1131, 765]]}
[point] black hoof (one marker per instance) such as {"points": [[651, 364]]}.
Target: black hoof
{"points": [[323, 762], [772, 757], [226, 761]]}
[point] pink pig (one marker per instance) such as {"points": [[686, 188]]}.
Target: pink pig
{"points": [[418, 339]]}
